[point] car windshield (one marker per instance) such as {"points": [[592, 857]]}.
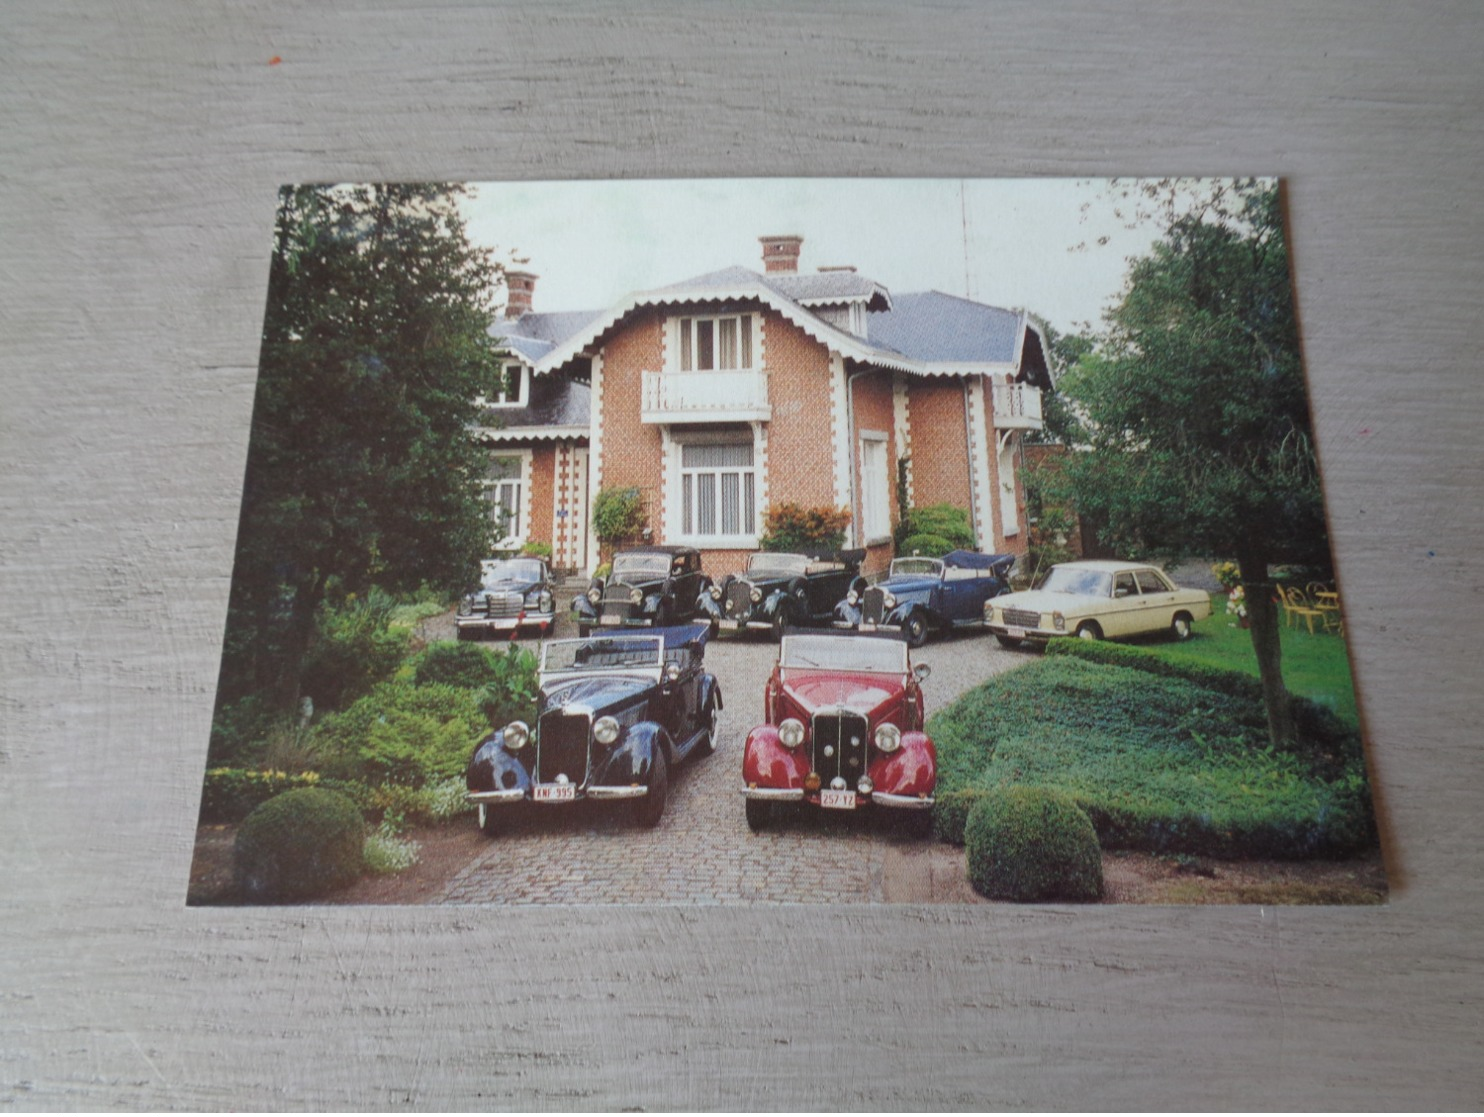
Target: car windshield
{"points": [[916, 567], [603, 653], [1072, 579], [510, 570], [845, 653], [641, 566], [776, 565]]}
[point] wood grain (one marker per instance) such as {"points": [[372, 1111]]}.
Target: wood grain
{"points": [[140, 150]]}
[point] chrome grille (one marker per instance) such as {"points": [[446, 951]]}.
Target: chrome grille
{"points": [[844, 736], [873, 610], [1023, 618], [561, 747], [739, 600], [500, 605]]}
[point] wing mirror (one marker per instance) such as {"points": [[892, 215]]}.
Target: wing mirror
{"points": [[921, 672]]}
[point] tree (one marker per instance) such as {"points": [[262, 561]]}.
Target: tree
{"points": [[1194, 412], [360, 467]]}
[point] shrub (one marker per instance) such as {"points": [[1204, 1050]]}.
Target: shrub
{"points": [[401, 733], [618, 514], [231, 794], [387, 852], [354, 648], [410, 615], [921, 543], [240, 731], [942, 522], [537, 549], [792, 527], [1031, 843], [513, 691], [298, 845], [951, 812], [455, 664]]}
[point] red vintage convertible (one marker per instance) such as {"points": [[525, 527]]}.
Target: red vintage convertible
{"points": [[844, 730]]}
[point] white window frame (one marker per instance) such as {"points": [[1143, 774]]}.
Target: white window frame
{"points": [[686, 348], [676, 487], [523, 386], [521, 486], [875, 490]]}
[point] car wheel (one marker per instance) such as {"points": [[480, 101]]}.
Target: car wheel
{"points": [[915, 630], [1089, 630], [712, 718], [1180, 626], [780, 622], [647, 811], [490, 821], [466, 634], [1007, 641], [759, 815]]}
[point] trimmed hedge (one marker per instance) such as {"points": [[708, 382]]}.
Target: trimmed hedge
{"points": [[1157, 762], [298, 845], [1032, 843], [231, 794]]}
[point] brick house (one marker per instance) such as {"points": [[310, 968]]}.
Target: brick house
{"points": [[723, 394]]}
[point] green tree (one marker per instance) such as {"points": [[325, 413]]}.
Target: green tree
{"points": [[360, 467], [1194, 413]]}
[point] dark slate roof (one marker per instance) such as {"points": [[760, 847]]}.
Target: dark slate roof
{"points": [[555, 401], [830, 287], [535, 335], [932, 326]]}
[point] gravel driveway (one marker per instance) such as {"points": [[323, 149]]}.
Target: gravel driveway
{"points": [[702, 852]]}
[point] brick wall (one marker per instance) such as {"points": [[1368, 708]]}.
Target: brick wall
{"points": [[543, 476], [631, 449], [801, 465], [940, 463]]}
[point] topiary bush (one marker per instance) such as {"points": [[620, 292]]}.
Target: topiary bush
{"points": [[951, 813], [297, 846], [1031, 843], [945, 524]]}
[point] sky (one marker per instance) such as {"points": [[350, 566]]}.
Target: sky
{"points": [[1055, 247]]}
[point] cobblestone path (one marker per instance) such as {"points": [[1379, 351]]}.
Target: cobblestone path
{"points": [[702, 852]]}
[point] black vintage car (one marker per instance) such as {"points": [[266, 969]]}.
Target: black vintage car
{"points": [[513, 592], [921, 594], [616, 711], [781, 590], [649, 587]]}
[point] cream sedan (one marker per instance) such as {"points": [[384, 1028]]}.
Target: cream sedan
{"points": [[1096, 600]]}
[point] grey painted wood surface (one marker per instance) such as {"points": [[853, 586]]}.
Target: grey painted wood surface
{"points": [[140, 149]]}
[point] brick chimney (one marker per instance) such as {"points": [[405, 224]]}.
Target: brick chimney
{"points": [[520, 288], [781, 253]]}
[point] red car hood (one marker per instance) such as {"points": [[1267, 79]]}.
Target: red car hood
{"points": [[815, 690]]}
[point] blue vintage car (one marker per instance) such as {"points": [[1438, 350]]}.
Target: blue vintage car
{"points": [[616, 711], [922, 594]]}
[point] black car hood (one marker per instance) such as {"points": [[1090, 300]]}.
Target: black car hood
{"points": [[595, 694], [648, 586], [506, 587]]}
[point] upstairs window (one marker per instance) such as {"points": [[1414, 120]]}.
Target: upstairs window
{"points": [[713, 343], [512, 387]]}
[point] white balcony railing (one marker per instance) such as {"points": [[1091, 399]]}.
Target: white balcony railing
{"points": [[1017, 407], [713, 396]]}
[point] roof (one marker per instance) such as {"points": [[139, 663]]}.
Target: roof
{"points": [[932, 326], [535, 335], [556, 408], [830, 288]]}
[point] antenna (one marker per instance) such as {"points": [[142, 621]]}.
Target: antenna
{"points": [[963, 209]]}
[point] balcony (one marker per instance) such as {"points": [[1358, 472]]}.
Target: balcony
{"points": [[713, 396], [1017, 407]]}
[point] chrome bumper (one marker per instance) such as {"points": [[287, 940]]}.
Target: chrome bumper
{"points": [[506, 624], [632, 791], [902, 802], [775, 794], [503, 795]]}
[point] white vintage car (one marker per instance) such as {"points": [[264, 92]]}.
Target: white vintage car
{"points": [[1096, 600]]}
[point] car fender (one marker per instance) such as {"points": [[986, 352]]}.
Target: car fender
{"points": [[911, 770], [708, 607], [778, 600], [709, 689], [766, 763], [848, 614], [633, 754], [904, 609], [493, 767]]}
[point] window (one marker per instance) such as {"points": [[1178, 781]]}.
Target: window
{"points": [[717, 489], [1151, 582], [513, 386], [709, 343], [875, 487], [502, 483]]}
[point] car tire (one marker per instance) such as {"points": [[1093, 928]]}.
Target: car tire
{"points": [[759, 815], [780, 622], [1008, 641], [466, 634], [649, 810], [1089, 630], [490, 822], [712, 718], [915, 630], [1180, 626]]}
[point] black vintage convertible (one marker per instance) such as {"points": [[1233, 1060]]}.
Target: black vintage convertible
{"points": [[651, 586], [616, 711], [782, 590]]}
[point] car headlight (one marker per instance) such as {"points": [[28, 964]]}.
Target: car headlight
{"points": [[889, 600], [466, 606], [791, 733], [546, 603], [595, 595], [715, 593], [605, 730], [756, 595], [517, 733], [1059, 622], [636, 595], [852, 597], [888, 738]]}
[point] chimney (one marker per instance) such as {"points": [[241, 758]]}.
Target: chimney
{"points": [[781, 253], [520, 289]]}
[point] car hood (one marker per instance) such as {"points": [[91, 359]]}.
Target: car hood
{"points": [[816, 690], [645, 585], [1042, 602], [908, 583], [596, 695], [506, 586]]}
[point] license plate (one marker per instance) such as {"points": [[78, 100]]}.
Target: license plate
{"points": [[867, 626], [728, 624], [1015, 633], [837, 800], [555, 792], [612, 618]]}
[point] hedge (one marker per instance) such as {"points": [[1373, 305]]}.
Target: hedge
{"points": [[1032, 843]]}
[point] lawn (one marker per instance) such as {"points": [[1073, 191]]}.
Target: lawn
{"points": [[1316, 667]]}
